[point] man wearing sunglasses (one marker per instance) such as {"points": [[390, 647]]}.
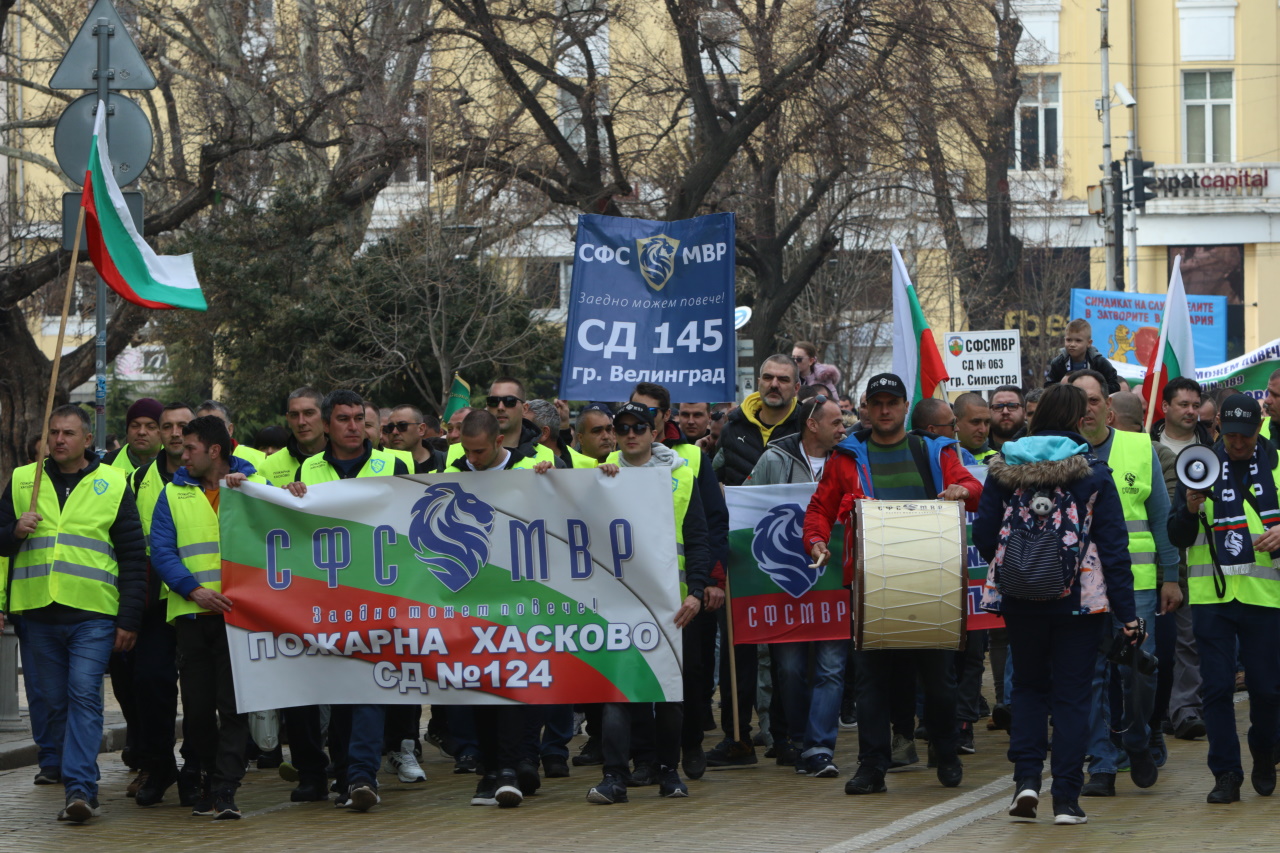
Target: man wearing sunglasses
{"points": [[405, 433], [506, 402], [634, 425]]}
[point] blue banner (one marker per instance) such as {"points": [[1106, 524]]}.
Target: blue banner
{"points": [[1127, 325], [651, 302]]}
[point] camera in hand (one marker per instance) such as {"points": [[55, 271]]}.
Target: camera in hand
{"points": [[1127, 651]]}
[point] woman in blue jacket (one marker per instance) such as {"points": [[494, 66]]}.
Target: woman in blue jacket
{"points": [[1054, 640]]}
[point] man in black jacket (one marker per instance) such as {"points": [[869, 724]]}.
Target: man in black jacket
{"points": [[765, 415], [78, 578]]}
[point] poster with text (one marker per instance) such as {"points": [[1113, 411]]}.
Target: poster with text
{"points": [[1126, 326]]}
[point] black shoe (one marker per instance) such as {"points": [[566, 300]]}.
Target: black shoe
{"points": [[527, 778], [509, 793], [644, 775], [1099, 785], [1226, 789], [1157, 747], [786, 753], [849, 719], [1068, 813], [1142, 768], [362, 796], [694, 761], [555, 766], [951, 774], [964, 744], [486, 791], [152, 790], [1263, 775], [49, 776], [922, 733], [224, 805], [465, 763], [1002, 717], [138, 781], [310, 791], [590, 755], [610, 790], [79, 808], [867, 780], [729, 753], [984, 710], [669, 784], [202, 806], [1190, 729], [188, 786], [271, 760], [1026, 797]]}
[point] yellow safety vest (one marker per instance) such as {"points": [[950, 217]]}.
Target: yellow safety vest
{"points": [[147, 494], [280, 467], [541, 454], [1251, 583], [581, 460], [252, 455], [1130, 463], [68, 558], [123, 462], [199, 542], [692, 454], [682, 482], [317, 470], [984, 455]]}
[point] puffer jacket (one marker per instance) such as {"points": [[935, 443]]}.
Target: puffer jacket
{"points": [[1046, 460]]}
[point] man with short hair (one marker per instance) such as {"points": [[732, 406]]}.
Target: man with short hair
{"points": [[596, 438], [847, 406], [1234, 587], [185, 550], [695, 420], [634, 423], [405, 433], [142, 436], [546, 417], [765, 415], [307, 435], [973, 424], [934, 417], [1032, 400], [1208, 413], [219, 410], [453, 427], [811, 372], [887, 463], [1180, 427], [812, 704], [1135, 467], [507, 403], [1008, 416], [77, 577]]}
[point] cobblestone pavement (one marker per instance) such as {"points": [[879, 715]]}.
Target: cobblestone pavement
{"points": [[763, 808]]}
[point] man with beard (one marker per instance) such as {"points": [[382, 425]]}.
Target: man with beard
{"points": [[1008, 416]]}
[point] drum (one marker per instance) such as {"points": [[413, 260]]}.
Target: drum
{"points": [[910, 581]]}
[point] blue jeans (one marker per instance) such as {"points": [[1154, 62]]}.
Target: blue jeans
{"points": [[1139, 692], [364, 750], [71, 662], [1219, 628], [1054, 655], [37, 708], [813, 712], [549, 731]]}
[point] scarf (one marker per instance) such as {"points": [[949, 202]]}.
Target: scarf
{"points": [[1239, 483]]}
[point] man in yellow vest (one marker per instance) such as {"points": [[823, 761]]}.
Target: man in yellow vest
{"points": [[1232, 533], [594, 431], [973, 423], [145, 679], [306, 439], [634, 424], [186, 553], [78, 579], [142, 436], [252, 455], [405, 432], [1139, 478]]}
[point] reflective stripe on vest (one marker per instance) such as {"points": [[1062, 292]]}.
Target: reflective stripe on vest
{"points": [[1130, 463], [1251, 583], [316, 470], [68, 559]]}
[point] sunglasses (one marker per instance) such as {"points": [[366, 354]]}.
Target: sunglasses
{"points": [[715, 416], [399, 426], [1000, 407], [818, 400], [951, 425], [627, 429], [510, 401]]}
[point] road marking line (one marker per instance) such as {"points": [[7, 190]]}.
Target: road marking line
{"points": [[942, 830], [875, 836], [270, 809]]}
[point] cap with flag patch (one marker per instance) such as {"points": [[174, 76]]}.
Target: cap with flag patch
{"points": [[1240, 414], [886, 383]]}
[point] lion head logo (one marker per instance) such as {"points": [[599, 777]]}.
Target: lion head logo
{"points": [[779, 552], [450, 531], [657, 259], [1130, 478]]}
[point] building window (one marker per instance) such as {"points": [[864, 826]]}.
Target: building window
{"points": [[1208, 101], [1037, 128], [546, 283]]}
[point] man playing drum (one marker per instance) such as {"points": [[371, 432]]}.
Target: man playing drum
{"points": [[885, 462]]}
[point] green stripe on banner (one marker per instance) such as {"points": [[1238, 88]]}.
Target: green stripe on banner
{"points": [[758, 582]]}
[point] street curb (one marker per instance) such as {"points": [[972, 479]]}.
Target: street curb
{"points": [[16, 755]]}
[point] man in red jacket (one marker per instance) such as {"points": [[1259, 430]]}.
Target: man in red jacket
{"points": [[887, 463]]}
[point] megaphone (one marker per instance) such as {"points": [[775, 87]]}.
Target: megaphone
{"points": [[1198, 467]]}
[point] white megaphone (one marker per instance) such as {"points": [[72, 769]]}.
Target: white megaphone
{"points": [[1198, 467]]}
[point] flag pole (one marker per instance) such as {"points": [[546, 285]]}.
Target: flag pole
{"points": [[733, 660], [57, 360]]}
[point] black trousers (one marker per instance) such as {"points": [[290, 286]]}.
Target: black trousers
{"points": [[500, 730], [619, 718], [878, 688], [219, 735], [404, 722], [145, 683], [306, 742]]}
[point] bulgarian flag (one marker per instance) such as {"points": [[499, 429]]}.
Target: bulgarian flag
{"points": [[916, 358], [1174, 354], [126, 263]]}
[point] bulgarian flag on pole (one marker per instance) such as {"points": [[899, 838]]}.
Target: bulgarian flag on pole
{"points": [[126, 263], [1174, 354], [916, 359]]}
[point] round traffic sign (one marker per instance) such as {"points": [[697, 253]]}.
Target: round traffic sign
{"points": [[128, 133]]}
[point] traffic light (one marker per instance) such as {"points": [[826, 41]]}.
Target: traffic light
{"points": [[1140, 182]]}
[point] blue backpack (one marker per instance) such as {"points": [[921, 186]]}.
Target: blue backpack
{"points": [[1043, 541]]}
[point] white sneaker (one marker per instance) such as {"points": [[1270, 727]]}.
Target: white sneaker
{"points": [[405, 764]]}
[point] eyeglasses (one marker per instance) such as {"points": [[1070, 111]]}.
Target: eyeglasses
{"points": [[399, 426], [818, 400], [1000, 407], [627, 429], [951, 425], [510, 401]]}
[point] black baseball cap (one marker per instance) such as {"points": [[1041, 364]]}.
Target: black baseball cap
{"points": [[641, 412], [1240, 414], [886, 383]]}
